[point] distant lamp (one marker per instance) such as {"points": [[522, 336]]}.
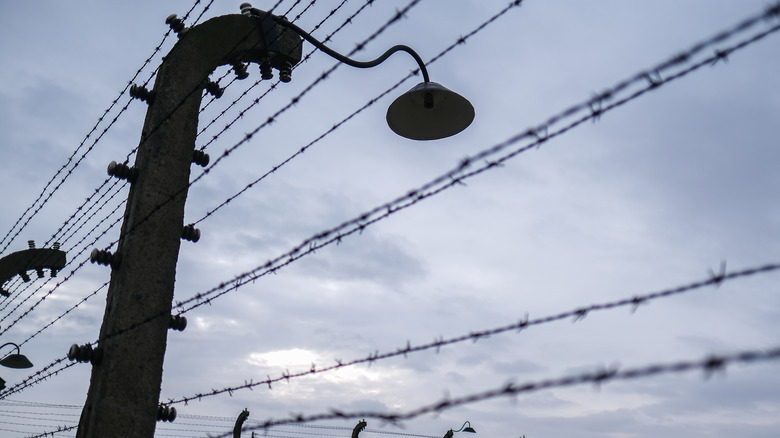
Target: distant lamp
{"points": [[16, 360], [426, 112], [463, 428]]}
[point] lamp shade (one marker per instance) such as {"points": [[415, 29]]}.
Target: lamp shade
{"points": [[16, 361], [429, 111]]}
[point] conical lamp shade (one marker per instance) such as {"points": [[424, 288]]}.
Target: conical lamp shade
{"points": [[16, 361], [429, 112]]}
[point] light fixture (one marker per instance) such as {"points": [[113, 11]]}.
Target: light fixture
{"points": [[16, 360], [428, 111], [463, 428]]}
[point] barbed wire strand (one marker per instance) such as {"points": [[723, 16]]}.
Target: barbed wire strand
{"points": [[60, 429], [41, 375], [81, 209], [94, 293], [708, 365], [68, 277], [448, 180], [14, 293], [92, 131], [76, 256], [575, 314]]}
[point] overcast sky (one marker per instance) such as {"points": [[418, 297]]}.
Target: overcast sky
{"points": [[655, 194]]}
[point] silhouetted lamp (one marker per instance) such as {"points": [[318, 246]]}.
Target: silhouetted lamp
{"points": [[463, 428], [15, 360], [428, 111]]}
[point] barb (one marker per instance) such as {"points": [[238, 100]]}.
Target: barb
{"points": [[599, 377], [516, 327]]}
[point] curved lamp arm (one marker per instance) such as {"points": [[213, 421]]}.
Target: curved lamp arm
{"points": [[16, 360], [463, 428], [359, 64]]}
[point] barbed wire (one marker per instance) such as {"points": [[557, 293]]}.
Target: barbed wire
{"points": [[39, 376], [60, 429], [96, 191], [79, 253], [45, 415], [68, 277], [62, 242], [709, 365], [81, 209], [64, 314], [297, 2], [455, 177], [14, 293], [92, 131], [184, 426], [576, 314]]}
